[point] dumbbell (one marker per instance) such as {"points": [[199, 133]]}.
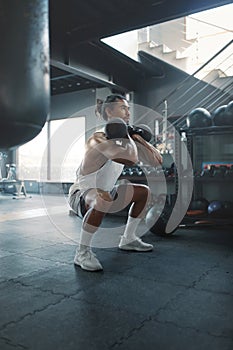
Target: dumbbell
{"points": [[221, 171], [116, 128], [142, 129], [229, 172], [206, 172], [139, 171], [212, 170]]}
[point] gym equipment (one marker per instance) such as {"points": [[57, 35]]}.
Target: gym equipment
{"points": [[199, 204], [146, 132], [205, 173], [215, 171], [170, 172], [142, 129], [229, 108], [139, 171], [127, 171], [197, 223], [132, 171], [229, 172], [198, 118], [229, 113], [212, 170], [148, 170], [220, 171], [116, 128], [3, 157], [11, 173], [157, 217], [24, 71], [219, 116], [198, 207], [216, 209], [156, 220]]}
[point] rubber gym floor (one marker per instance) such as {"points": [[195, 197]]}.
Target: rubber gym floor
{"points": [[179, 296]]}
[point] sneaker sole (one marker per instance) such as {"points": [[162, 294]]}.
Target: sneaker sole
{"points": [[86, 268], [136, 249]]}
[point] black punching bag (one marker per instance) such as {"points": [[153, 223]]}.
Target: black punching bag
{"points": [[24, 70]]}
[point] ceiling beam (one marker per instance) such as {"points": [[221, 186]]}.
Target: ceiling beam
{"points": [[88, 73]]}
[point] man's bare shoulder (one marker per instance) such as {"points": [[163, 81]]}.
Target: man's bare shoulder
{"points": [[96, 138]]}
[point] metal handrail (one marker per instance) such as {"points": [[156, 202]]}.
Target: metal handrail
{"points": [[211, 24], [193, 74]]}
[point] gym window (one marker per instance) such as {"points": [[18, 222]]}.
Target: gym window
{"points": [[55, 153]]}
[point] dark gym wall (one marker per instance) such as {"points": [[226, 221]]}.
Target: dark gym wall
{"points": [[80, 103], [73, 104], [66, 105]]}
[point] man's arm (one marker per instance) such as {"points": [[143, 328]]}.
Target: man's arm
{"points": [[122, 150], [148, 154]]}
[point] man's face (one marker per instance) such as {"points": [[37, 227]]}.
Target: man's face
{"points": [[119, 109]]}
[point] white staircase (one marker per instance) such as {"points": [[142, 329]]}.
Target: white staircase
{"points": [[165, 54], [188, 50]]}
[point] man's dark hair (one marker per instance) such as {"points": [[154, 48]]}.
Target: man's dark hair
{"points": [[102, 105]]}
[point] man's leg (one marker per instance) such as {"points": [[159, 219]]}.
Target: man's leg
{"points": [[139, 196], [95, 208]]}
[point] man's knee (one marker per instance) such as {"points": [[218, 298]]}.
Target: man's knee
{"points": [[102, 204]]}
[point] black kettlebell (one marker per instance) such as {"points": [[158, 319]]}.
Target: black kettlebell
{"points": [[116, 128], [142, 129]]}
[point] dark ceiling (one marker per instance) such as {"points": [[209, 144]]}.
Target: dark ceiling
{"points": [[79, 60]]}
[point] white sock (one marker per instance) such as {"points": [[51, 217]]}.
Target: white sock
{"points": [[85, 239], [131, 227]]}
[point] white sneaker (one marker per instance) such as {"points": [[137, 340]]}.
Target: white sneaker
{"points": [[137, 245], [87, 260]]}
